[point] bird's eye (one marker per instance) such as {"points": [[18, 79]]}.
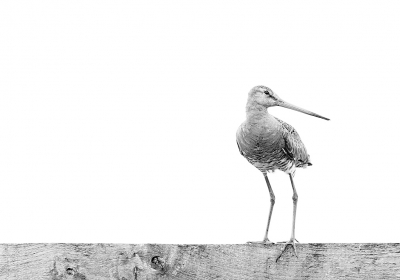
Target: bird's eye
{"points": [[267, 92]]}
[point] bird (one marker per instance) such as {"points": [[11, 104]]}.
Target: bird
{"points": [[270, 144]]}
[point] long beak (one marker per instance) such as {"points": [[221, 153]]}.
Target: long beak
{"points": [[290, 106]]}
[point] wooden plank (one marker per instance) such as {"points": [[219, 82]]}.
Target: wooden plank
{"points": [[187, 262]]}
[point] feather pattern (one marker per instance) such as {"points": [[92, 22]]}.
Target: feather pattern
{"points": [[272, 144], [294, 147]]}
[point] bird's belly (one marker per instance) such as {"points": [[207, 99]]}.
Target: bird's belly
{"points": [[263, 148], [269, 161]]}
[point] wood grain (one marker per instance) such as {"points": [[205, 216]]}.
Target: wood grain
{"points": [[187, 262]]}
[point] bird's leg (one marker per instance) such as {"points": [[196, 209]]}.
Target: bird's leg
{"points": [[292, 238], [295, 198], [271, 207]]}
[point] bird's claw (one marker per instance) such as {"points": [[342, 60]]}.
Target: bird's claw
{"points": [[263, 242], [290, 242]]}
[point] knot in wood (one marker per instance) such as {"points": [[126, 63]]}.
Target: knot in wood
{"points": [[70, 271], [157, 263]]}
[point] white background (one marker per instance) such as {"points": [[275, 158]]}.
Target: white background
{"points": [[118, 120]]}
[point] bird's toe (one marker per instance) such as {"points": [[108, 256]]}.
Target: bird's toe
{"points": [[263, 242]]}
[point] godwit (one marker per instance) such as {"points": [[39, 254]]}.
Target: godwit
{"points": [[269, 144]]}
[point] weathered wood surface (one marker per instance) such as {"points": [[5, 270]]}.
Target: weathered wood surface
{"points": [[205, 262]]}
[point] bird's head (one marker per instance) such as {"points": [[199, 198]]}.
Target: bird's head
{"points": [[262, 96]]}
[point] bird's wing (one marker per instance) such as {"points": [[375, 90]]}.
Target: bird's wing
{"points": [[294, 147]]}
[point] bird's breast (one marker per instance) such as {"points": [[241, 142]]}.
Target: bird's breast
{"points": [[259, 138], [262, 145]]}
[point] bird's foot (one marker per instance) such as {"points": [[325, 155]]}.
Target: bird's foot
{"points": [[290, 242], [264, 242]]}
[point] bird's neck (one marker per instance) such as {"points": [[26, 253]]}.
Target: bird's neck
{"points": [[255, 113]]}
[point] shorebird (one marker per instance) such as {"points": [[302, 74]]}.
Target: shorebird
{"points": [[269, 144]]}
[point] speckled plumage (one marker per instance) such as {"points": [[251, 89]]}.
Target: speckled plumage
{"points": [[268, 151]]}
